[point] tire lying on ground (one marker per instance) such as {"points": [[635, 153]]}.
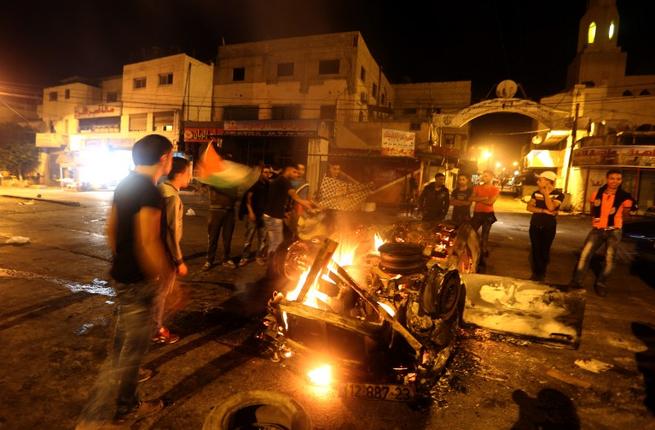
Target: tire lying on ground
{"points": [[258, 410]]}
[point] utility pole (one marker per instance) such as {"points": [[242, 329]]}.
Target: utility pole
{"points": [[574, 136]]}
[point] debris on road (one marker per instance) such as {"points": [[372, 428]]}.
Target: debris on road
{"points": [[27, 203], [190, 212], [17, 240], [569, 379], [593, 365]]}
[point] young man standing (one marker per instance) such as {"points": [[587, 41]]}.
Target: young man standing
{"points": [[221, 221], [253, 206], [139, 265], [434, 200], [178, 178], [608, 205], [461, 200], [279, 192], [484, 196], [544, 205]]}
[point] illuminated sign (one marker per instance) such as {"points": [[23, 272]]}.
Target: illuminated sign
{"points": [[97, 111], [629, 156]]}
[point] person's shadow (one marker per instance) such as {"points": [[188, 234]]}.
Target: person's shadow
{"points": [[550, 410], [646, 361]]}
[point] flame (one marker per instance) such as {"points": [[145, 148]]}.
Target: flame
{"points": [[321, 376], [345, 254], [313, 295], [377, 242]]}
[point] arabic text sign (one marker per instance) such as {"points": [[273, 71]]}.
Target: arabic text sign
{"points": [[638, 156], [97, 111], [297, 127], [397, 143], [201, 134]]}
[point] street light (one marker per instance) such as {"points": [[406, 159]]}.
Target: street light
{"points": [[515, 163]]}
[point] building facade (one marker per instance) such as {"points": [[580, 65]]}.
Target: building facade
{"points": [[90, 126], [614, 113]]}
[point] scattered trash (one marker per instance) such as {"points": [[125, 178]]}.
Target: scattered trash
{"points": [[554, 373], [593, 365], [27, 203], [190, 212], [17, 240], [84, 329], [97, 286]]}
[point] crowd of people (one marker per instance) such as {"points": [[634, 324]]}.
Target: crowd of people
{"points": [[145, 227]]}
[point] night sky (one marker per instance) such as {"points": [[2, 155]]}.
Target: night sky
{"points": [[531, 42]]}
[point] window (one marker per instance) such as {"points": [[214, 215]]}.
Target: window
{"points": [[112, 97], [611, 30], [591, 33], [409, 111], [362, 74], [52, 96], [238, 74], [67, 93], [100, 125], [328, 112], [374, 90], [240, 113], [285, 69], [138, 122], [163, 121], [165, 79], [328, 67], [285, 112], [644, 93], [363, 97], [139, 83]]}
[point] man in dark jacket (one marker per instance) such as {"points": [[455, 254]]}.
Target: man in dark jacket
{"points": [[434, 200], [252, 209]]}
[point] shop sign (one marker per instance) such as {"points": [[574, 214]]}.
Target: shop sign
{"points": [[97, 111], [629, 156], [397, 143], [299, 127], [201, 134]]}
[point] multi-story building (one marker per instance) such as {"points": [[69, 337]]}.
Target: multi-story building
{"points": [[615, 113], [91, 125], [314, 98]]}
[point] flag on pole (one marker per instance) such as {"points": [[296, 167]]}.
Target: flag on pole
{"points": [[215, 171]]}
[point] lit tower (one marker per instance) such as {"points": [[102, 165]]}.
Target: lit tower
{"points": [[599, 58]]}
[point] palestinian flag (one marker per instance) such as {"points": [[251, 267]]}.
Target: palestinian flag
{"points": [[223, 174]]}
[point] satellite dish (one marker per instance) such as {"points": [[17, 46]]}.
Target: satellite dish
{"points": [[506, 89]]}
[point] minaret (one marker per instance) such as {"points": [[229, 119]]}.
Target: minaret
{"points": [[599, 58]]}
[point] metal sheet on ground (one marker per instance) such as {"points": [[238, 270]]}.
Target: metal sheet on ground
{"points": [[524, 308]]}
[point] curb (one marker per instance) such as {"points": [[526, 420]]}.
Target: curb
{"points": [[40, 199]]}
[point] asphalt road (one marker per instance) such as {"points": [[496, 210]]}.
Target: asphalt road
{"points": [[55, 327]]}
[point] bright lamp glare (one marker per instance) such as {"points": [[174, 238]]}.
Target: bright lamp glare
{"points": [[101, 167], [321, 376]]}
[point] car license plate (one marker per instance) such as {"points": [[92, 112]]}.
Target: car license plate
{"points": [[398, 393]]}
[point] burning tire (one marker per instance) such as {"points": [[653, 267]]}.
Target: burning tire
{"points": [[258, 410]]}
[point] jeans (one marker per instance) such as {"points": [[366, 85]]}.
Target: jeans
{"points": [[220, 220], [541, 239], [274, 233], [254, 228], [484, 219], [114, 392], [595, 239]]}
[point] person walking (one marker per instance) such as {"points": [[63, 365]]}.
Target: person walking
{"points": [[544, 205], [178, 178], [484, 196], [252, 208], [608, 205], [139, 264], [279, 192], [434, 200], [221, 221], [461, 200]]}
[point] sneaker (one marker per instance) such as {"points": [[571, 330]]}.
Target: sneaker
{"points": [[144, 374], [600, 289], [143, 410], [229, 264], [207, 266], [243, 262]]}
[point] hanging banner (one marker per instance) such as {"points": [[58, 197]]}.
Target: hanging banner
{"points": [[397, 143], [629, 156]]}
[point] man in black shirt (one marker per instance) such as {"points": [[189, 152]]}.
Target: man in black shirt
{"points": [[279, 192], [434, 200], [139, 264], [544, 205], [252, 208], [461, 200]]}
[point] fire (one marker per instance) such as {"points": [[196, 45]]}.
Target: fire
{"points": [[321, 376], [377, 242]]}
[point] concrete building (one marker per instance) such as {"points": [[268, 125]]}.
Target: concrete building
{"points": [[615, 114], [91, 125], [314, 98]]}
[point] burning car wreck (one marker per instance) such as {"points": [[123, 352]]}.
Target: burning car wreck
{"points": [[375, 313]]}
